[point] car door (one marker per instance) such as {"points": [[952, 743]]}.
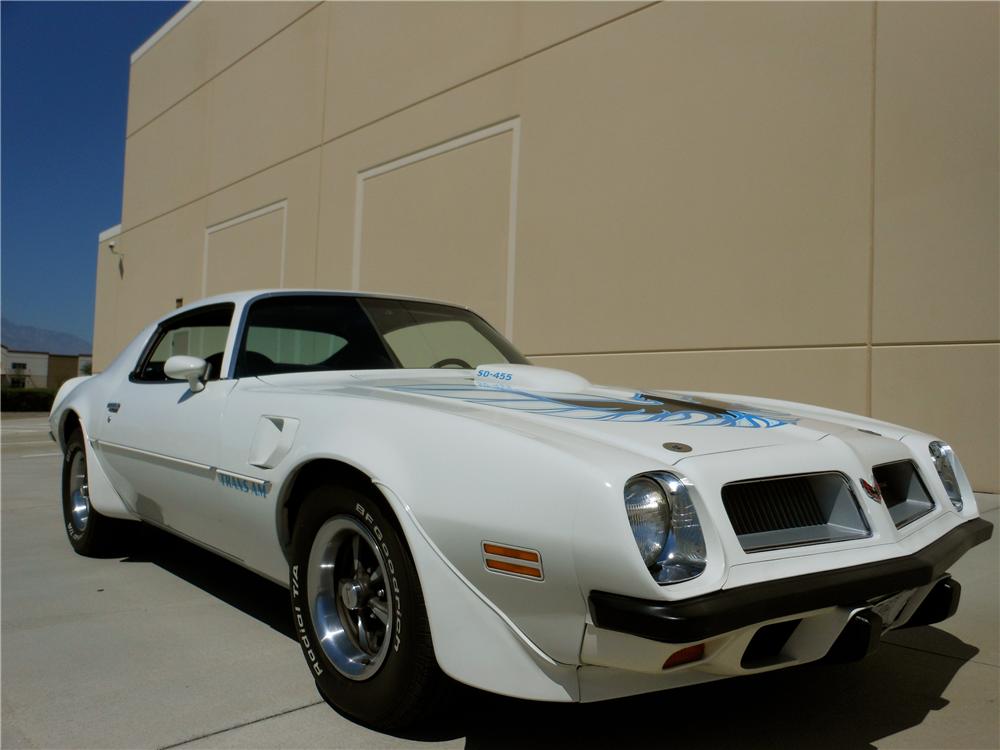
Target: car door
{"points": [[282, 334], [161, 437]]}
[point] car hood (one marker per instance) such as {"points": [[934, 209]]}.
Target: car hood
{"points": [[546, 403]]}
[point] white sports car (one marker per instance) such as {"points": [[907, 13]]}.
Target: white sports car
{"points": [[437, 506]]}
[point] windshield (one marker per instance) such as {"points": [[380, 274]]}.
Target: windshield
{"points": [[314, 333]]}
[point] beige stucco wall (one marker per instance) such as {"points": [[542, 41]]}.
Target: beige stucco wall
{"points": [[792, 200]]}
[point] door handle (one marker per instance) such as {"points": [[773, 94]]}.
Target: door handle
{"points": [[114, 406]]}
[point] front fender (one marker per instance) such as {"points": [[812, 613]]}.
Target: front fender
{"points": [[459, 482], [78, 398], [104, 498], [474, 641]]}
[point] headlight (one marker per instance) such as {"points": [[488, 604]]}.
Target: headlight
{"points": [[665, 526], [649, 516], [946, 463]]}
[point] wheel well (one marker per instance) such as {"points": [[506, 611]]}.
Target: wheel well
{"points": [[309, 475], [71, 422]]}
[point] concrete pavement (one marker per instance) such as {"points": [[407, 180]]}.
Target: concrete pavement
{"points": [[173, 647]]}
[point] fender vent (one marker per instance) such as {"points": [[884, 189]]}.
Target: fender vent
{"points": [[793, 511]]}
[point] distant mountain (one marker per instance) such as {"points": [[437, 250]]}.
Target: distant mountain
{"points": [[31, 339]]}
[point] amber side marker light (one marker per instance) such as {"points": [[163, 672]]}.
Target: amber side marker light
{"points": [[501, 559], [685, 656]]}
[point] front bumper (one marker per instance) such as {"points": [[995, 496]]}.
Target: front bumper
{"points": [[712, 614]]}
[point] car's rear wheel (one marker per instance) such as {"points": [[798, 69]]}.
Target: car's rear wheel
{"points": [[358, 610], [89, 532]]}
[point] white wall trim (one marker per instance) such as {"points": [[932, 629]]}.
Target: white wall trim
{"points": [[110, 232], [256, 213], [512, 126], [515, 160], [164, 30]]}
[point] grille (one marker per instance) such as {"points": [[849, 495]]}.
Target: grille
{"points": [[792, 511], [788, 503], [903, 491]]}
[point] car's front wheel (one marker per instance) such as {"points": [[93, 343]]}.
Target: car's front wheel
{"points": [[89, 532], [358, 610]]}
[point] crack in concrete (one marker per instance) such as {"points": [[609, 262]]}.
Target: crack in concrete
{"points": [[239, 726]]}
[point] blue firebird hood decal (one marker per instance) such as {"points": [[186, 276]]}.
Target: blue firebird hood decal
{"points": [[641, 407]]}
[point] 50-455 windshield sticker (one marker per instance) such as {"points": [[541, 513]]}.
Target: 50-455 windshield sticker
{"points": [[640, 407]]}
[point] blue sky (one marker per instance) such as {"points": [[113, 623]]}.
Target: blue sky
{"points": [[64, 95]]}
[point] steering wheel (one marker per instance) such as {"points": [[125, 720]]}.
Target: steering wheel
{"points": [[452, 362]]}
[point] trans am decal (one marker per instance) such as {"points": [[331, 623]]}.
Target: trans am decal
{"points": [[240, 483], [641, 407]]}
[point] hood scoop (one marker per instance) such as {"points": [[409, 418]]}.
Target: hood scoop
{"points": [[529, 378]]}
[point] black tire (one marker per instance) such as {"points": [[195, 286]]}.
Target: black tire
{"points": [[96, 535], [408, 687]]}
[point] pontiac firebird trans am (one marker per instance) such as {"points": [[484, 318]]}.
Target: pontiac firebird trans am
{"points": [[437, 506]]}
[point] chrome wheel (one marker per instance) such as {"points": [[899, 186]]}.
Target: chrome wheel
{"points": [[79, 492], [348, 602]]}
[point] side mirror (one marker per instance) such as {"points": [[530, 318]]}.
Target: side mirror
{"points": [[191, 369]]}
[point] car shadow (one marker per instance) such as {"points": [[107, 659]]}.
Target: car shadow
{"points": [[258, 597], [818, 705]]}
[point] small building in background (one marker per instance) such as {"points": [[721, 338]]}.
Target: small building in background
{"points": [[23, 369], [26, 369], [62, 367]]}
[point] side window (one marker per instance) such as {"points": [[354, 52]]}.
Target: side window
{"points": [[200, 333]]}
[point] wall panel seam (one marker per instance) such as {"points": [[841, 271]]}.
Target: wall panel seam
{"points": [[871, 218], [339, 136], [222, 70], [491, 71], [218, 190], [970, 342], [322, 129], [412, 104], [767, 348], [701, 350]]}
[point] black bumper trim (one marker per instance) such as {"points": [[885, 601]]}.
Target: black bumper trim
{"points": [[722, 611]]}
